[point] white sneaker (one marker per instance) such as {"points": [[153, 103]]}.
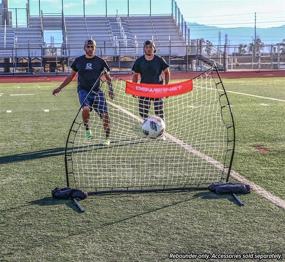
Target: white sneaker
{"points": [[107, 142]]}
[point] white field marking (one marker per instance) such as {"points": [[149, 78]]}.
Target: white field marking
{"points": [[18, 87], [8, 111], [245, 94], [262, 104], [22, 94], [1, 94], [263, 97], [190, 106], [46, 110], [259, 190]]}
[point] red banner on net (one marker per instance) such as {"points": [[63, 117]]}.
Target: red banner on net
{"points": [[158, 91]]}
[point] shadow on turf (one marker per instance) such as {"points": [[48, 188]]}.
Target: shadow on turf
{"points": [[46, 201], [144, 213], [32, 155], [212, 196], [49, 201], [61, 151]]}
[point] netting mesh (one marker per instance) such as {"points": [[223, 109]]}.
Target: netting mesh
{"points": [[196, 149]]}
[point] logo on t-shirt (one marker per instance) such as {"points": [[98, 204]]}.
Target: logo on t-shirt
{"points": [[88, 66]]}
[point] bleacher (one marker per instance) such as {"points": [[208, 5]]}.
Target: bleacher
{"points": [[7, 37], [100, 30], [29, 40], [114, 35], [162, 29]]}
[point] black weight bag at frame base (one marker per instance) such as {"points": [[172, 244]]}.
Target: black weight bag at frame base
{"points": [[230, 188], [67, 193]]}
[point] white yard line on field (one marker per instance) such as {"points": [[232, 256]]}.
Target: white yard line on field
{"points": [[262, 97], [8, 111], [246, 94], [22, 94], [190, 106], [259, 190], [46, 110]]}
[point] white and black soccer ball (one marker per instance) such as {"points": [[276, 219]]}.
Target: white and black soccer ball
{"points": [[153, 126]]}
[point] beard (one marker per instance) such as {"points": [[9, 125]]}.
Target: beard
{"points": [[90, 52], [149, 53]]}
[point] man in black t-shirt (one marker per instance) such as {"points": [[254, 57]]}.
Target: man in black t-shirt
{"points": [[89, 68], [150, 67]]}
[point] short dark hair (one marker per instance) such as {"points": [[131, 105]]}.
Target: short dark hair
{"points": [[89, 42], [149, 42]]}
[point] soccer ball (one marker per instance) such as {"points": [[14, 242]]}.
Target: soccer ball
{"points": [[153, 126]]}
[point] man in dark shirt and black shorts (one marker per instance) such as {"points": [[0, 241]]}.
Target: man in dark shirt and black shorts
{"points": [[89, 68], [150, 67]]}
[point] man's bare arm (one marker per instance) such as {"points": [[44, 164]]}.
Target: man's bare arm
{"points": [[66, 81], [166, 75]]}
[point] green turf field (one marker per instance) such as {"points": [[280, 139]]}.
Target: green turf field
{"points": [[142, 227]]}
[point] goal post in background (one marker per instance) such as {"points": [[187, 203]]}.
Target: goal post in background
{"points": [[198, 148]]}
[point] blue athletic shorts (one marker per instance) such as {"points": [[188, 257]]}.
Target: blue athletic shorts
{"points": [[95, 101]]}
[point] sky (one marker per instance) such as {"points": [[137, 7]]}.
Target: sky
{"points": [[222, 13], [234, 13]]}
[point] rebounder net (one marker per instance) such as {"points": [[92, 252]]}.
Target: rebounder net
{"points": [[197, 147]]}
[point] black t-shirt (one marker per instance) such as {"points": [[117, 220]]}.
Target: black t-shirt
{"points": [[89, 69], [150, 71]]}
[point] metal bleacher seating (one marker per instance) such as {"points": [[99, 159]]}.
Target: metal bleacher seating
{"points": [[115, 35]]}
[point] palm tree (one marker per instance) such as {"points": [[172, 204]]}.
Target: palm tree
{"points": [[242, 49], [256, 46]]}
